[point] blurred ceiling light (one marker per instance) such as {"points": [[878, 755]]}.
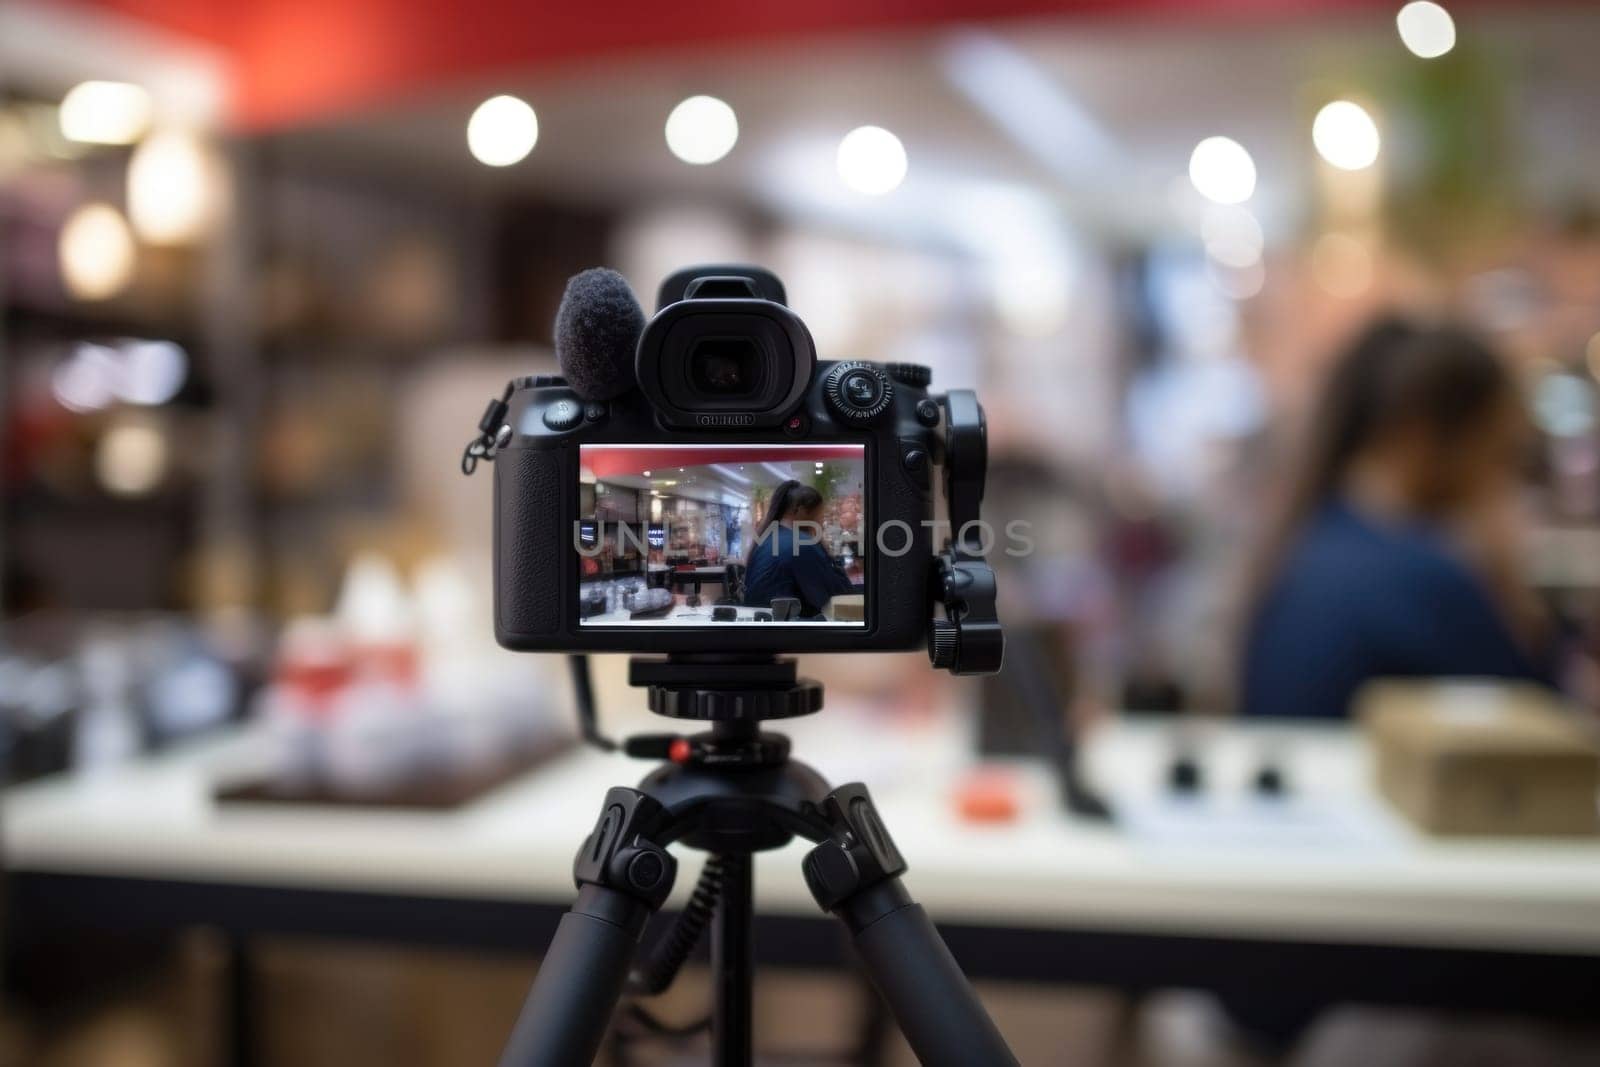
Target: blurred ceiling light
{"points": [[1426, 29], [1232, 236], [87, 379], [1345, 135], [131, 458], [1222, 171], [502, 131], [152, 372], [1024, 248], [105, 113], [173, 188], [96, 252], [1341, 265], [702, 129], [872, 160], [1026, 100]]}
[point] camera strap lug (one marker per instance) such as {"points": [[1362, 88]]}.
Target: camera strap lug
{"points": [[493, 433]]}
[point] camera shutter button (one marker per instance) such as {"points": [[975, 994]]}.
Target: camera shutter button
{"points": [[563, 415]]}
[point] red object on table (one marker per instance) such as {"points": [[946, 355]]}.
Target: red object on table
{"points": [[988, 796]]}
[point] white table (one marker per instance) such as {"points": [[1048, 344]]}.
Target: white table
{"points": [[1332, 892]]}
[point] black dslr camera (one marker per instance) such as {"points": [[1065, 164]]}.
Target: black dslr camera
{"points": [[702, 483]]}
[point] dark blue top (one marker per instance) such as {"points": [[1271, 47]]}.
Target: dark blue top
{"points": [[781, 566], [1358, 599]]}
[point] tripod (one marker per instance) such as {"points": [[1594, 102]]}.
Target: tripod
{"points": [[732, 792]]}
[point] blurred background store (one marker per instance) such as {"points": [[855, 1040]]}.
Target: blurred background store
{"points": [[261, 265]]}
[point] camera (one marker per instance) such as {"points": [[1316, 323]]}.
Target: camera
{"points": [[703, 483]]}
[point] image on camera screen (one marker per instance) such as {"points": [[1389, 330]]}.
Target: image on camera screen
{"points": [[721, 535]]}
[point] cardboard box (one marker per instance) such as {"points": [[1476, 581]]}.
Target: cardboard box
{"points": [[846, 607], [1482, 757]]}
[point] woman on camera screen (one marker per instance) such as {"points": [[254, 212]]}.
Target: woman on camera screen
{"points": [[788, 558]]}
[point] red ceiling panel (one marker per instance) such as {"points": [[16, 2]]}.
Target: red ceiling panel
{"points": [[297, 60]]}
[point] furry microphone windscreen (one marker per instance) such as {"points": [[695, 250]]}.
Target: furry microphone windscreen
{"points": [[597, 330]]}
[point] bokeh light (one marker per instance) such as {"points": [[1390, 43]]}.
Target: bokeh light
{"points": [[136, 371], [96, 252], [1232, 236], [1426, 29], [702, 129], [872, 160], [502, 131], [105, 112], [1345, 135], [1564, 405], [173, 188], [1222, 170], [87, 379], [1239, 283], [152, 372], [131, 459]]}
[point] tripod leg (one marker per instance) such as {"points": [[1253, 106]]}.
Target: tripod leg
{"points": [[623, 879], [855, 874], [580, 980]]}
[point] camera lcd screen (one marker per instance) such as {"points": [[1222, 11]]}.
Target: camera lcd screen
{"points": [[722, 535]]}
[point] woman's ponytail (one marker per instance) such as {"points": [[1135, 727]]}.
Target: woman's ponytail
{"points": [[777, 507]]}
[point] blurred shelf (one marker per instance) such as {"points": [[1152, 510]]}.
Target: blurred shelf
{"points": [[23, 320]]}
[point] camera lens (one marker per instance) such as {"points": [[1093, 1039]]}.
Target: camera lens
{"points": [[724, 366]]}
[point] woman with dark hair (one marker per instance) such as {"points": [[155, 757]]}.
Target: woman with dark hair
{"points": [[1395, 554], [788, 558]]}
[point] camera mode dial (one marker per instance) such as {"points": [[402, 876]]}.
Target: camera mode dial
{"points": [[858, 392]]}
